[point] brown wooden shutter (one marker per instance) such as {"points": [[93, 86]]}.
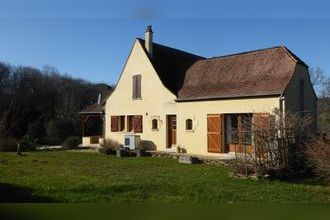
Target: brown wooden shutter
{"points": [[138, 86], [137, 122], [214, 133], [261, 120], [114, 123], [134, 87], [122, 123], [130, 119]]}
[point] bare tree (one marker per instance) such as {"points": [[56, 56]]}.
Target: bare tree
{"points": [[277, 142]]}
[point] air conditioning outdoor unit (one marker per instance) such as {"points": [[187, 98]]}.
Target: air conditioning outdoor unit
{"points": [[132, 141]]}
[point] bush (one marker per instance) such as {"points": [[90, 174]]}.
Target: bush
{"points": [[109, 146], [8, 144], [28, 144], [318, 152], [71, 142]]}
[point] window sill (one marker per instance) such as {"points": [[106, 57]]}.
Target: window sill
{"points": [[155, 129], [190, 131], [135, 99]]}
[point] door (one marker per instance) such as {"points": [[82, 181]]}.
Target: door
{"points": [[214, 133], [171, 131]]}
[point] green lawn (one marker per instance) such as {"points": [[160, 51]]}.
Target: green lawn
{"points": [[88, 177]]}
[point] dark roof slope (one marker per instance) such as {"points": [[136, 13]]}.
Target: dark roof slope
{"points": [[170, 64], [256, 73]]}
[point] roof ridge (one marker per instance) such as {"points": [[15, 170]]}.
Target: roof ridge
{"points": [[172, 48], [292, 55], [245, 52]]}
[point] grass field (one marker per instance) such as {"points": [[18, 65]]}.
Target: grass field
{"points": [[87, 177]]}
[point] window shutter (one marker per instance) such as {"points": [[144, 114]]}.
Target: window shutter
{"points": [[137, 121], [122, 123], [134, 87], [261, 121], [130, 123], [138, 86], [114, 123]]}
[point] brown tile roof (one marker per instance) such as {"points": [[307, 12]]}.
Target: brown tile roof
{"points": [[264, 72]]}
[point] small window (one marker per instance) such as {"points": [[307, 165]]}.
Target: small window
{"points": [[136, 87], [189, 124], [154, 124]]}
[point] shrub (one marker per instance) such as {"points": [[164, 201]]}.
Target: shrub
{"points": [[71, 142], [109, 146], [318, 152], [28, 144], [8, 144], [181, 150]]}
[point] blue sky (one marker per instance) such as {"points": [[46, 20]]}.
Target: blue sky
{"points": [[92, 39]]}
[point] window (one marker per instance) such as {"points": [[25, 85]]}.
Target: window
{"points": [[136, 87], [189, 125], [154, 124], [238, 128], [234, 129], [134, 123], [117, 123], [246, 128]]}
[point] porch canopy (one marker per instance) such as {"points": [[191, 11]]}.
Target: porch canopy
{"points": [[92, 120]]}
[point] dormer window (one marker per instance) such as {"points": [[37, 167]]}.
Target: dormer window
{"points": [[136, 89]]}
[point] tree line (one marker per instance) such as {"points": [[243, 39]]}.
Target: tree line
{"points": [[42, 103]]}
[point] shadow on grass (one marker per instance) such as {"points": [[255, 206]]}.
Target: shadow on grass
{"points": [[12, 193]]}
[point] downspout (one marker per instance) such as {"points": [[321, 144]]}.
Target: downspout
{"points": [[282, 111]]}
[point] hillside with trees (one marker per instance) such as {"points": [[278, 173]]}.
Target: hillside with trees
{"points": [[43, 104]]}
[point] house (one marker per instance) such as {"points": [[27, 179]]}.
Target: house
{"points": [[174, 98]]}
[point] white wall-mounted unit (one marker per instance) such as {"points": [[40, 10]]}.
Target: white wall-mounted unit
{"points": [[132, 141]]}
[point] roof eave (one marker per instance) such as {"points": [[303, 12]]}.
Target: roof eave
{"points": [[91, 113], [213, 98]]}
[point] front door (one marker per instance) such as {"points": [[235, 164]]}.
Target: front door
{"points": [[171, 131], [214, 133]]}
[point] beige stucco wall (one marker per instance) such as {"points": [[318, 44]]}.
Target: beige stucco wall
{"points": [[196, 141], [158, 102], [292, 94], [86, 142]]}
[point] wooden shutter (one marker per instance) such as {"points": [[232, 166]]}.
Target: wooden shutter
{"points": [[214, 133], [261, 120], [122, 123], [114, 123], [138, 86], [134, 87], [137, 124], [130, 123]]}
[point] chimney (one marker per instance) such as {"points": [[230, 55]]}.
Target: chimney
{"points": [[148, 39]]}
